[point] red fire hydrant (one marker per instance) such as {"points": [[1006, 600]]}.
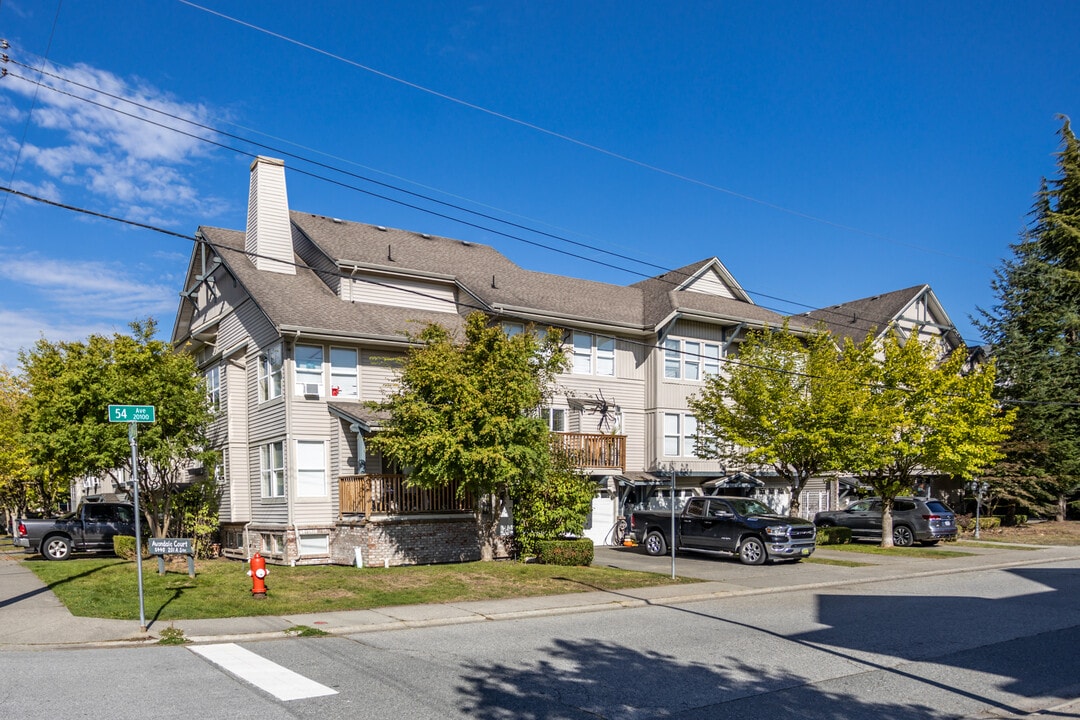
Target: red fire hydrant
{"points": [[257, 572]]}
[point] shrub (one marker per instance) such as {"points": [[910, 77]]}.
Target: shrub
{"points": [[565, 552], [833, 535], [124, 547]]}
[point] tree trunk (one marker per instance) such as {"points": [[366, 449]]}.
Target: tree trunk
{"points": [[1062, 507], [886, 523]]}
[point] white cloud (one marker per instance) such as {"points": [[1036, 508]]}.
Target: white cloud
{"points": [[127, 155], [95, 291], [20, 329]]}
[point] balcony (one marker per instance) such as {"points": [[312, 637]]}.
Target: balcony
{"points": [[592, 451], [369, 495]]}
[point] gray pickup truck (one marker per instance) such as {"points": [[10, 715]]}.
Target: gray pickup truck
{"points": [[727, 526], [90, 528]]}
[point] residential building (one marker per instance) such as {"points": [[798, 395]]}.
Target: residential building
{"points": [[298, 321]]}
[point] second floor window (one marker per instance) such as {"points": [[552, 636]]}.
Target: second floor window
{"points": [[270, 373], [213, 387], [680, 434], [690, 359], [309, 370], [555, 418], [343, 376], [593, 354]]}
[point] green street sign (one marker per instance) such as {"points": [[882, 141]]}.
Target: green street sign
{"points": [[131, 413]]}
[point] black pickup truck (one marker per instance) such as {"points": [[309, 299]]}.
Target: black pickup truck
{"points": [[90, 528], [726, 525]]}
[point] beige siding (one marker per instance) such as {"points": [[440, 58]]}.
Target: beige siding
{"points": [[399, 292], [710, 284], [376, 373]]}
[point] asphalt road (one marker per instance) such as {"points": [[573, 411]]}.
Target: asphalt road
{"points": [[995, 643]]}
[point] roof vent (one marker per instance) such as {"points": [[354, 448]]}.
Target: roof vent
{"points": [[381, 227], [337, 220], [466, 243], [425, 236]]}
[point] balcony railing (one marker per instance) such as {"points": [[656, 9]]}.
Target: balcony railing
{"points": [[389, 495], [593, 450]]}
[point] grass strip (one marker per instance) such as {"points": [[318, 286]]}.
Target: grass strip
{"points": [[108, 587], [834, 561], [909, 552], [995, 545]]}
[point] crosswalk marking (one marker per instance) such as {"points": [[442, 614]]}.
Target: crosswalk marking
{"points": [[282, 683]]}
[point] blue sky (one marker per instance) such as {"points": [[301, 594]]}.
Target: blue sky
{"points": [[822, 151]]}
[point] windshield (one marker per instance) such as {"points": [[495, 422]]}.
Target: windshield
{"points": [[751, 507]]}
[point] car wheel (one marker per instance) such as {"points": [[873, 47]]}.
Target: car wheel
{"points": [[902, 536], [752, 552], [56, 548], [655, 543]]}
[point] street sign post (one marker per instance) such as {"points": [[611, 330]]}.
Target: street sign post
{"points": [[133, 415]]}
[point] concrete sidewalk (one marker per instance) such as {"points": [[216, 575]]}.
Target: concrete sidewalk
{"points": [[32, 618]]}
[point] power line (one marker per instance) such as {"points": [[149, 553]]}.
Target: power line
{"points": [[172, 116], [558, 135], [457, 304]]}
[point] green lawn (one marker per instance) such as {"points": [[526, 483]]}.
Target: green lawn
{"points": [[107, 587]]}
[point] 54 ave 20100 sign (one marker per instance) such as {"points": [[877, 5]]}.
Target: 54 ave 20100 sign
{"points": [[131, 413]]}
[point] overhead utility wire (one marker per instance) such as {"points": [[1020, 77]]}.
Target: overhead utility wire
{"points": [[782, 312], [304, 266], [560, 136]]}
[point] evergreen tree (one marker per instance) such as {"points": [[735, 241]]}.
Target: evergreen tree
{"points": [[1034, 330]]}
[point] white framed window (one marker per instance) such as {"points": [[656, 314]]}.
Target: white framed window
{"points": [[689, 439], [309, 369], [593, 354], [310, 468], [555, 418], [313, 544], [272, 543], [672, 434], [680, 434], [711, 359], [270, 373], [582, 353], [605, 356], [344, 378], [272, 469], [213, 387], [690, 359], [672, 358], [513, 328]]}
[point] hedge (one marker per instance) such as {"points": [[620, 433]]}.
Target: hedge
{"points": [[124, 547], [833, 535], [565, 552]]}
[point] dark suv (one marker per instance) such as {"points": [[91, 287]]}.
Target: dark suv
{"points": [[925, 520]]}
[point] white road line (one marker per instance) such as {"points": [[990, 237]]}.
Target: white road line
{"points": [[280, 682]]}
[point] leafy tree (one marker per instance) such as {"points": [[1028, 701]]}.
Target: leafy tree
{"points": [[17, 491], [920, 414], [785, 403], [465, 413], [551, 505], [71, 385], [1034, 332]]}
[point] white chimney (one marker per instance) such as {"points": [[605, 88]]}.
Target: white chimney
{"points": [[269, 232]]}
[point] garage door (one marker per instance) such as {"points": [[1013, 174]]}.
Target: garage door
{"points": [[602, 519]]}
